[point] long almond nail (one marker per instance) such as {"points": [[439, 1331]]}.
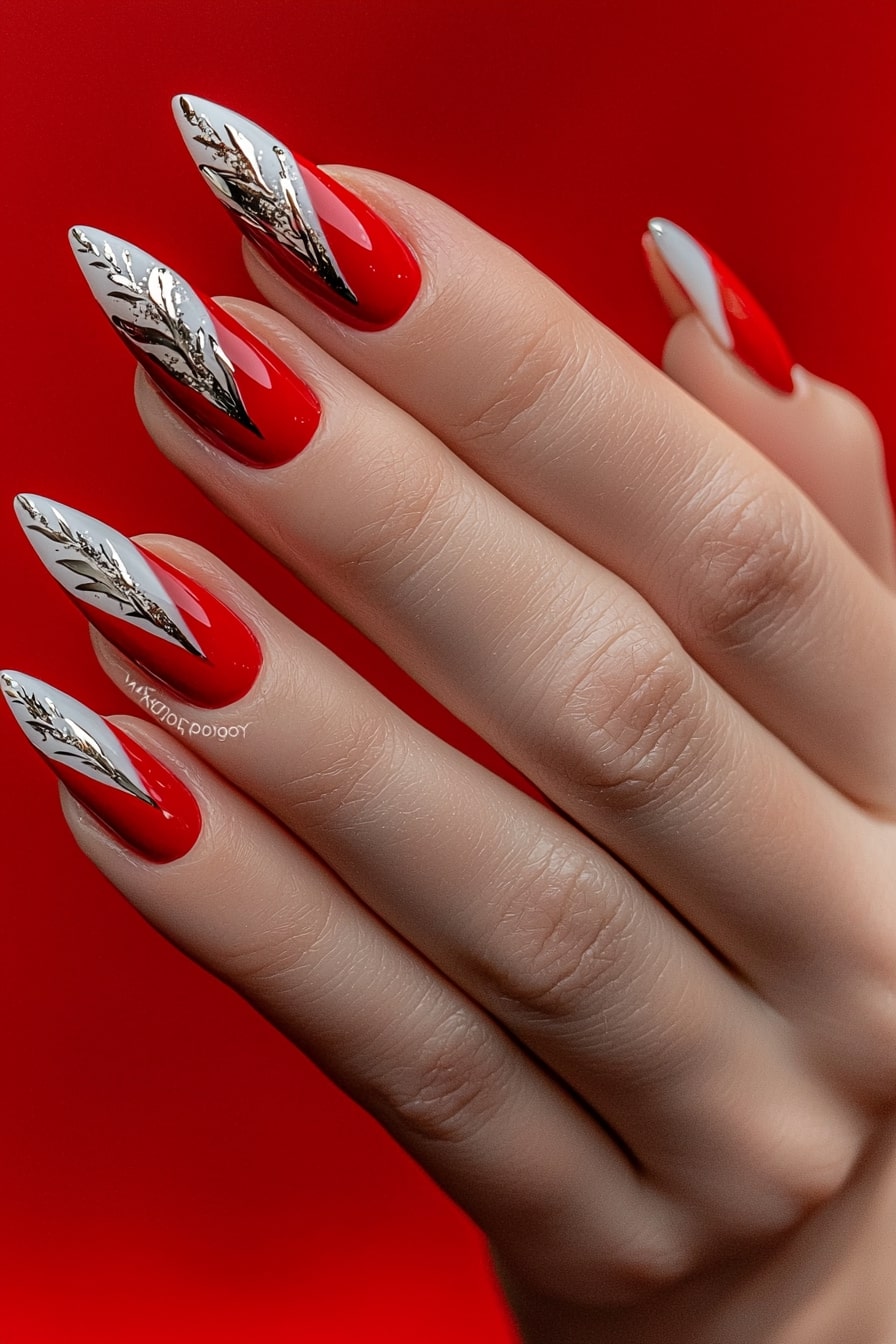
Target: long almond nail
{"points": [[221, 377], [125, 788], [724, 304], [313, 230], [165, 621]]}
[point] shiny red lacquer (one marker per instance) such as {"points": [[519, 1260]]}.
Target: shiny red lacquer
{"points": [[757, 343], [379, 268], [283, 410], [161, 830], [229, 657]]}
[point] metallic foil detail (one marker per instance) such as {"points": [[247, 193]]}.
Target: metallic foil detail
{"points": [[47, 722], [276, 204], [104, 572], [193, 357]]}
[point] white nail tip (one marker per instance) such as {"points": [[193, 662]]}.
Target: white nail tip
{"points": [[119, 275], [160, 315], [67, 732], [101, 568], [258, 179], [693, 270]]}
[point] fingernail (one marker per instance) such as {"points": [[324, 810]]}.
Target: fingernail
{"points": [[727, 308], [160, 618], [116, 779], [216, 373], [314, 231]]}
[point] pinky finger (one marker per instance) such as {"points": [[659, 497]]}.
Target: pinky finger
{"points": [[724, 350], [260, 911]]}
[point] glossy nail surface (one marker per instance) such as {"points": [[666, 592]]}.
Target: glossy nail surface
{"points": [[312, 230], [165, 621], [217, 373], [727, 308], [125, 788]]}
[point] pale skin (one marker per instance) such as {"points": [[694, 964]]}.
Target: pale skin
{"points": [[646, 1036]]}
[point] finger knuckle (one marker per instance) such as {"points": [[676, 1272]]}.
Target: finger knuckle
{"points": [[654, 1261], [754, 566], [807, 1187], [620, 1277], [638, 1255], [449, 1084], [626, 728], [805, 1190], [267, 961], [347, 775], [796, 1163], [543, 368], [552, 952], [411, 498]]}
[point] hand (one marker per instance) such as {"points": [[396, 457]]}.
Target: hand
{"points": [[645, 1035]]}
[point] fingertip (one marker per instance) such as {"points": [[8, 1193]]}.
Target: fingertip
{"points": [[670, 291]]}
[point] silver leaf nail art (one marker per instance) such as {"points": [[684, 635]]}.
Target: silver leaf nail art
{"points": [[259, 180], [157, 310]]}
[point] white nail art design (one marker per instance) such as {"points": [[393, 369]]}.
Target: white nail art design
{"points": [[259, 180], [66, 731], [101, 567], [694, 271], [157, 311]]}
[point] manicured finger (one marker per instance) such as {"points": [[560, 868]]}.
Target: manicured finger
{"points": [[568, 421], [261, 912], [552, 936], [819, 434]]}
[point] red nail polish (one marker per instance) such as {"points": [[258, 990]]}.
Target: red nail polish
{"points": [[121, 784], [242, 397], [170, 625], [733, 316], [314, 231]]}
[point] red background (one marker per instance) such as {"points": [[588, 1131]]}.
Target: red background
{"points": [[172, 1169]]}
